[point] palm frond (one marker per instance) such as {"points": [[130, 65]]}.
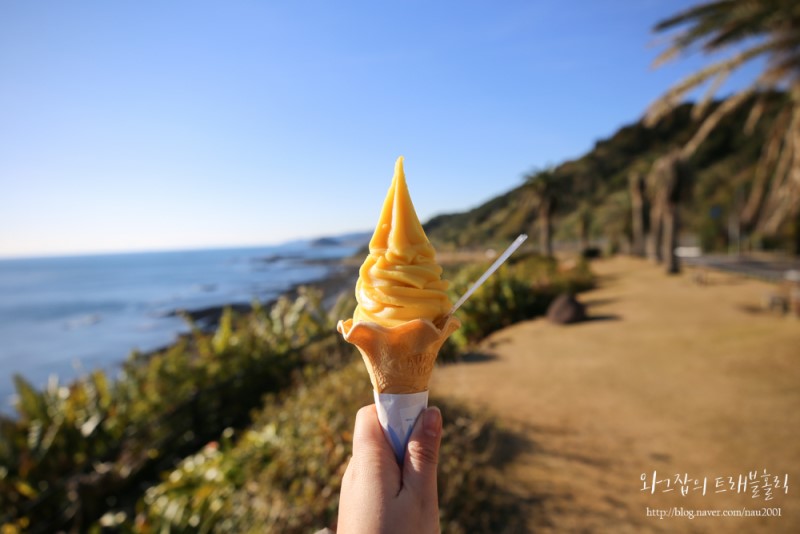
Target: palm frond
{"points": [[745, 20], [783, 189], [692, 13], [717, 25], [769, 155], [673, 96], [704, 21], [712, 120], [702, 106], [768, 28], [756, 111], [781, 70]]}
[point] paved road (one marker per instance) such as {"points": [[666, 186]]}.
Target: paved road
{"points": [[772, 270]]}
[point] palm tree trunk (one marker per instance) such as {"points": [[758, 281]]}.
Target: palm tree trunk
{"points": [[675, 179], [671, 232], [584, 232], [667, 179], [636, 183], [545, 230], [797, 234], [654, 238], [584, 238]]}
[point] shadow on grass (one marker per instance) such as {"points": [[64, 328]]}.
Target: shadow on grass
{"points": [[599, 301], [474, 489], [476, 357], [603, 279], [590, 319], [552, 499], [778, 310], [752, 309], [602, 317]]}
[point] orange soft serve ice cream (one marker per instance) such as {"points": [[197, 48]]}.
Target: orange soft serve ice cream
{"points": [[400, 280], [401, 320]]}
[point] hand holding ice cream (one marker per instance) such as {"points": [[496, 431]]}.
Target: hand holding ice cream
{"points": [[402, 316], [378, 495], [402, 319]]}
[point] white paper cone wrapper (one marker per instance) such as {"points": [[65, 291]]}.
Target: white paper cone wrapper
{"points": [[397, 414]]}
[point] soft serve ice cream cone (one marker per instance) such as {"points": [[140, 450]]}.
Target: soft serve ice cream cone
{"points": [[402, 319], [399, 359]]}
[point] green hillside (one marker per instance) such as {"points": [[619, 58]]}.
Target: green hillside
{"points": [[723, 170]]}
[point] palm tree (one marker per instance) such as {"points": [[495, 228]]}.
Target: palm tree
{"points": [[584, 213], [668, 181], [655, 194], [636, 187], [542, 188], [748, 30]]}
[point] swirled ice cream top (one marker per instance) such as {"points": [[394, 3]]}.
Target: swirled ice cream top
{"points": [[400, 280]]}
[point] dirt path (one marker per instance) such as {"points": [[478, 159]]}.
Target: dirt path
{"points": [[670, 377]]}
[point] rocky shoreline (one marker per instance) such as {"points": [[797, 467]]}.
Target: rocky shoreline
{"points": [[341, 278]]}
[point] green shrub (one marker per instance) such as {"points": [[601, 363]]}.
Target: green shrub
{"points": [[69, 442], [516, 292]]}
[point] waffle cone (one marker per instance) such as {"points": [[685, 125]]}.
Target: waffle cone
{"points": [[399, 359]]}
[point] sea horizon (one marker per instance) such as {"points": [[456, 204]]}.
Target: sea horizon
{"points": [[344, 237]]}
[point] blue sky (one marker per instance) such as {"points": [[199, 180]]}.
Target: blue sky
{"points": [[162, 125]]}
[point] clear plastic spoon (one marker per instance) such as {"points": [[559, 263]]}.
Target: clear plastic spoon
{"points": [[496, 265]]}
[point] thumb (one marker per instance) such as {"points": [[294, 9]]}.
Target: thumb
{"points": [[422, 456]]}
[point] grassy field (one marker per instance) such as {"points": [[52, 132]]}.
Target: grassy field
{"points": [[670, 377]]}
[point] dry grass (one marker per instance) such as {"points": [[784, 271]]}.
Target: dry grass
{"points": [[670, 376]]}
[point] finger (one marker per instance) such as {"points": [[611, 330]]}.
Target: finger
{"points": [[422, 456], [362, 502], [371, 451], [367, 434]]}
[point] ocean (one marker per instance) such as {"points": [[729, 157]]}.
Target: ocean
{"points": [[66, 316]]}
